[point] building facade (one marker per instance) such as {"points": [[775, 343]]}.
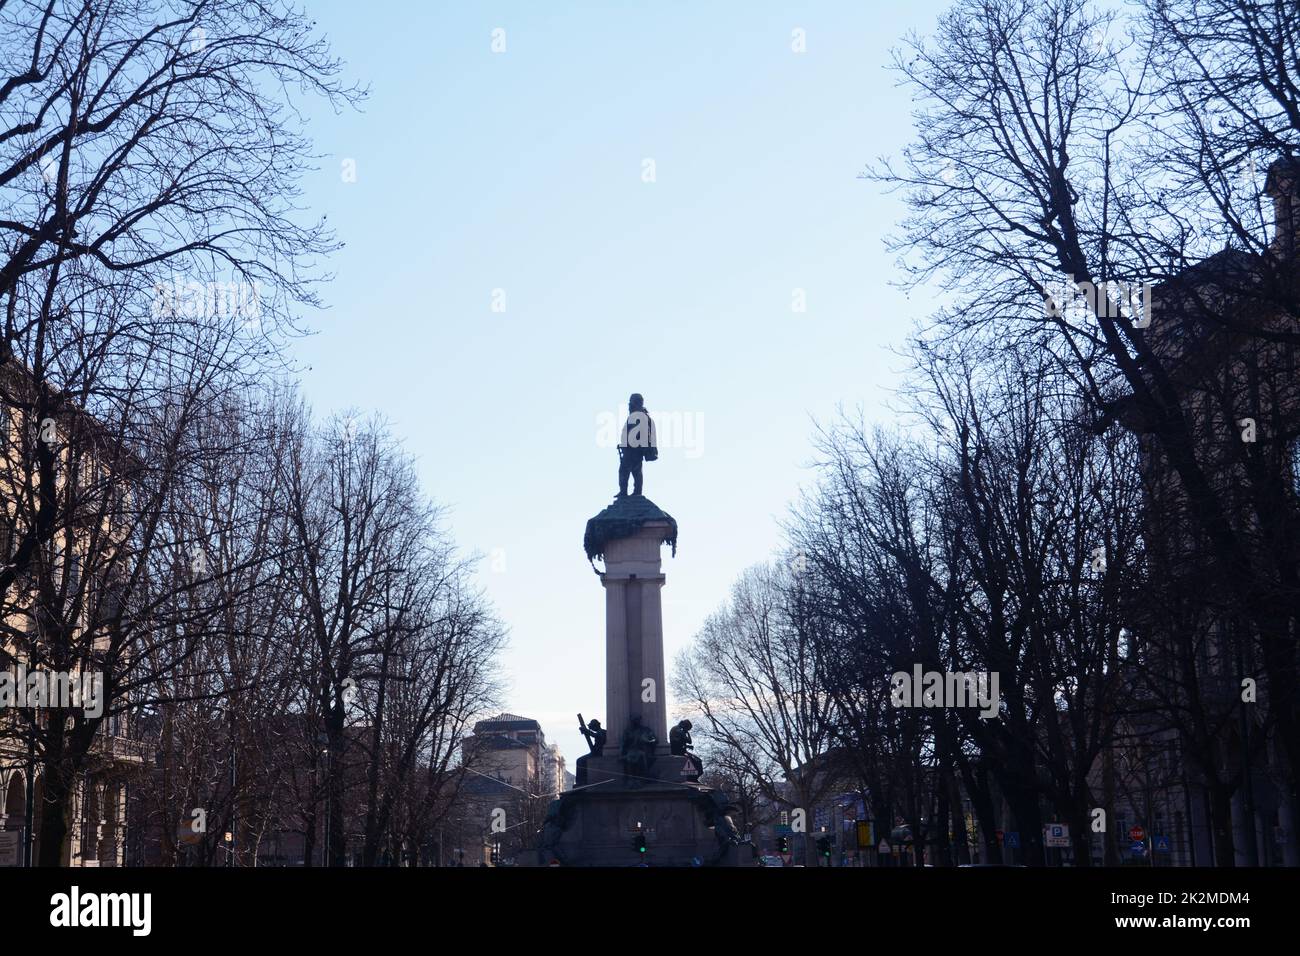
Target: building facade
{"points": [[73, 576]]}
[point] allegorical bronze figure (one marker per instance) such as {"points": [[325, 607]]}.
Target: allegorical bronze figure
{"points": [[638, 751], [724, 827], [596, 736], [679, 744], [637, 444]]}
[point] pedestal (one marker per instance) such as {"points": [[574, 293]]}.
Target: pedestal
{"points": [[600, 826], [664, 808]]}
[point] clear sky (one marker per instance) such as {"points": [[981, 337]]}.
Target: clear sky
{"points": [[526, 171]]}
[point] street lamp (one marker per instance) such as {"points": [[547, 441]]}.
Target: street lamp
{"points": [[323, 741]]}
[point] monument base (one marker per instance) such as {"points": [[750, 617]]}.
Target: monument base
{"points": [[608, 771], [599, 825]]}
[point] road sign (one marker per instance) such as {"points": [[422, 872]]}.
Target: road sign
{"points": [[866, 839], [1013, 840], [1160, 844], [1056, 834], [1000, 834], [1136, 833], [884, 847], [1138, 848]]}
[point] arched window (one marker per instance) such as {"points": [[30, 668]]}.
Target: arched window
{"points": [[16, 802]]}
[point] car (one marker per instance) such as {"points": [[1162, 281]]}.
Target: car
{"points": [[770, 860]]}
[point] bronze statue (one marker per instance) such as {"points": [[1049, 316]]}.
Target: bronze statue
{"points": [[596, 736], [638, 749], [553, 827], [724, 828], [636, 445], [679, 744]]}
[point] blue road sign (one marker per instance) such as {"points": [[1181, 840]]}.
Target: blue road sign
{"points": [[1161, 844], [1012, 839], [1138, 848]]}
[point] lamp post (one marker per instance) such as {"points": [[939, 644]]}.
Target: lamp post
{"points": [[234, 795], [29, 810], [323, 742]]}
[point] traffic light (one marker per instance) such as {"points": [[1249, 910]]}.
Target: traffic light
{"points": [[638, 843], [783, 844], [824, 846]]}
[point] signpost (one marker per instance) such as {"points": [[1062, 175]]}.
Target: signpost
{"points": [[865, 837], [1056, 834], [1160, 844], [1136, 833]]}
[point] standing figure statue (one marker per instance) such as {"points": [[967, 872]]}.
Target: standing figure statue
{"points": [[679, 744], [635, 445], [638, 751]]}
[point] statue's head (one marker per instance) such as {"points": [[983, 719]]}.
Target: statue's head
{"points": [[594, 724], [635, 403], [687, 725]]}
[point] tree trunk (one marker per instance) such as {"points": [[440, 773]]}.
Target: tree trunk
{"points": [[309, 837], [1221, 809], [56, 809]]}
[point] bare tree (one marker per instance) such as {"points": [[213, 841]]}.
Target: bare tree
{"points": [[1037, 197], [751, 672], [149, 258]]}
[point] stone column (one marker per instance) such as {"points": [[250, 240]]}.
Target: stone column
{"points": [[634, 636], [618, 703]]}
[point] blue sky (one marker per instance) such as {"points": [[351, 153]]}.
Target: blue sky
{"points": [[525, 171]]}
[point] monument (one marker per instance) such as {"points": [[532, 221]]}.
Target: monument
{"points": [[639, 799]]}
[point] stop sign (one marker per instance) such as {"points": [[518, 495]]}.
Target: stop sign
{"points": [[1137, 833]]}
